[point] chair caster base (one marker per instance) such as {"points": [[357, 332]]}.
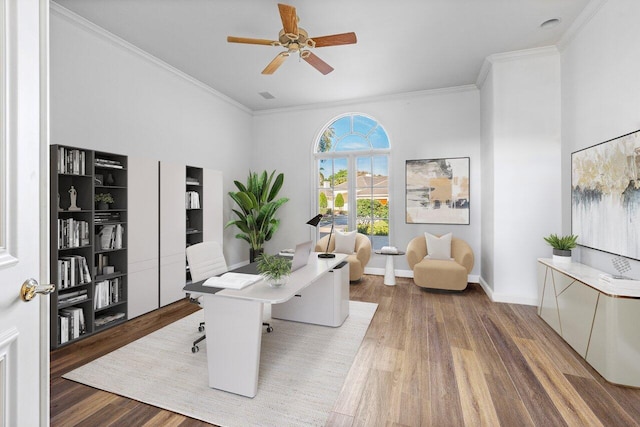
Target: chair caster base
{"points": [[269, 329], [195, 349], [200, 328]]}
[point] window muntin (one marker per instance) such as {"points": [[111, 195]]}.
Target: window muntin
{"points": [[352, 158]]}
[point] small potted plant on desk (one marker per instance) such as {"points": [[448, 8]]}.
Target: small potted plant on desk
{"points": [[275, 269], [103, 200], [561, 246]]}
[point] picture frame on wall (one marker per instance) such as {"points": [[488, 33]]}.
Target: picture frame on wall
{"points": [[605, 196], [437, 191]]}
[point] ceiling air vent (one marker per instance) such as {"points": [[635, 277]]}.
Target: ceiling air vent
{"points": [[266, 95]]}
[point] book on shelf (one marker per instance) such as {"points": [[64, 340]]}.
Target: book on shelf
{"points": [[73, 297], [192, 200], [71, 323], [111, 236], [72, 271], [107, 292], [72, 233], [71, 161], [102, 217], [108, 163], [103, 320]]}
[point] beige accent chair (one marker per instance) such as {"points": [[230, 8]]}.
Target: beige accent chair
{"points": [[357, 261], [437, 273]]}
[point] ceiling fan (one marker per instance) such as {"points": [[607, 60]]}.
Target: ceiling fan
{"points": [[296, 40]]}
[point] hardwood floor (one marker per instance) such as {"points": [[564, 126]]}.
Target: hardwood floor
{"points": [[428, 359]]}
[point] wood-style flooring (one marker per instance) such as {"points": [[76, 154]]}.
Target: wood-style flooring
{"points": [[428, 359]]}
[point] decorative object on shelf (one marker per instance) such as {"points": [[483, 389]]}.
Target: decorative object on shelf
{"points": [[258, 205], [274, 269], [622, 266], [110, 180], [437, 191], [103, 200], [605, 197], [73, 195], [561, 246], [98, 179], [314, 222]]}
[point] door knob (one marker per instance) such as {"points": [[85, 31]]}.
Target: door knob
{"points": [[31, 287]]}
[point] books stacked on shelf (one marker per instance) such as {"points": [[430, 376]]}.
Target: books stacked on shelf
{"points": [[107, 292], [73, 270], [71, 161], [103, 320], [105, 217], [192, 181], [73, 297], [111, 236], [192, 200], [108, 163], [72, 233], [71, 324]]}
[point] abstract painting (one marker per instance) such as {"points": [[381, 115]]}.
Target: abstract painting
{"points": [[437, 191], [605, 196]]}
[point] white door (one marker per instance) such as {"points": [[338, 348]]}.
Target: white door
{"points": [[23, 212]]}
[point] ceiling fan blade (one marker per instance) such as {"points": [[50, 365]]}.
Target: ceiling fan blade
{"points": [[277, 61], [335, 39], [289, 18], [318, 63], [246, 40]]}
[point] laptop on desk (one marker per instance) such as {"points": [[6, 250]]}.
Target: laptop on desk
{"points": [[301, 255]]}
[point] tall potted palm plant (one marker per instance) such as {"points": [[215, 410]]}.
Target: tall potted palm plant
{"points": [[258, 205]]}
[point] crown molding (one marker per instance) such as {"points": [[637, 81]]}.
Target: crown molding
{"points": [[89, 26], [368, 100], [497, 58], [587, 14]]}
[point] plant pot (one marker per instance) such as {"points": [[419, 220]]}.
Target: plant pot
{"points": [[560, 255], [279, 282], [255, 253], [102, 206]]}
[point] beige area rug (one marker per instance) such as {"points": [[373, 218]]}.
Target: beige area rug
{"points": [[302, 369]]}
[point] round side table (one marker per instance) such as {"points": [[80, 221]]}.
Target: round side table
{"points": [[389, 269]]}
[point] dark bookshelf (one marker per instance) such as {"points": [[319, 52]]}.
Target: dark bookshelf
{"points": [[194, 207], [78, 175]]}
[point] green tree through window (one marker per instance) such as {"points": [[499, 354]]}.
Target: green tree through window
{"points": [[352, 160]]}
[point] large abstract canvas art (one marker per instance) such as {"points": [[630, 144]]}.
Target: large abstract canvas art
{"points": [[437, 191], [605, 196]]}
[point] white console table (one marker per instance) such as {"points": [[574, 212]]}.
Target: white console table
{"points": [[599, 321]]}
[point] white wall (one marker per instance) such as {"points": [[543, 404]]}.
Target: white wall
{"points": [[521, 116], [488, 166], [108, 95], [600, 94], [423, 125]]}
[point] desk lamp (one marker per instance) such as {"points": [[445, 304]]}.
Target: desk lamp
{"points": [[314, 222]]}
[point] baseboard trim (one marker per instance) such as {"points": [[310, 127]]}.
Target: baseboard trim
{"points": [[507, 298]]}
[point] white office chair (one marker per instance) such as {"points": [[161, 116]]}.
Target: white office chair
{"points": [[206, 260]]}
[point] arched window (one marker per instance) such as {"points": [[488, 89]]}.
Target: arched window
{"points": [[352, 163]]}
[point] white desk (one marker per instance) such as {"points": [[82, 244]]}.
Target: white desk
{"points": [[234, 320]]}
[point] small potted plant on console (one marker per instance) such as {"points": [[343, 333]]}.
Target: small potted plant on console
{"points": [[561, 246]]}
